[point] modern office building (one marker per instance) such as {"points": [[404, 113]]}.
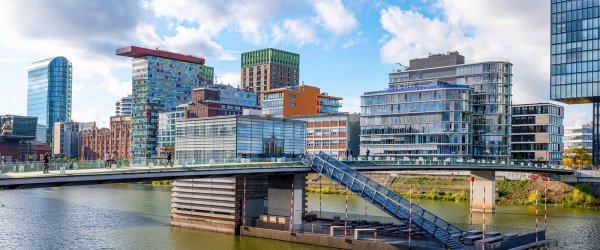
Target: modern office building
{"points": [[300, 100], [579, 136], [333, 134], [575, 59], [537, 133], [266, 69], [95, 143], [418, 119], [491, 82], [123, 106], [226, 137], [17, 135], [66, 138], [49, 94], [161, 81], [218, 99], [166, 128], [17, 126]]}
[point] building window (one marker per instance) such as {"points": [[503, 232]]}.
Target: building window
{"points": [[291, 104], [291, 96]]}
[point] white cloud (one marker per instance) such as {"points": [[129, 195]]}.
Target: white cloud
{"points": [[231, 78], [351, 104], [334, 17], [294, 31], [354, 40], [248, 17], [116, 87], [90, 115], [519, 34]]}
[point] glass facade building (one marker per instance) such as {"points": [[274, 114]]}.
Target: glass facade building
{"points": [[15, 126], [228, 137], [161, 81], [575, 59], [49, 94], [537, 133], [491, 82], [166, 126], [429, 119], [579, 136]]}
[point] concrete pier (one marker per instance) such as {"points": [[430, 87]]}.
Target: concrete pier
{"points": [[216, 204], [481, 180]]}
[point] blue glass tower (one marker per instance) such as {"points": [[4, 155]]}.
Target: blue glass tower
{"points": [[575, 59], [49, 94]]}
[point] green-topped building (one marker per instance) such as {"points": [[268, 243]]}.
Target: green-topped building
{"points": [[266, 69]]}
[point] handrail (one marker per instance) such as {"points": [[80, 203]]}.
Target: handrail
{"points": [[443, 235]]}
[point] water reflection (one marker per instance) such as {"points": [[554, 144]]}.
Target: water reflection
{"points": [[129, 216]]}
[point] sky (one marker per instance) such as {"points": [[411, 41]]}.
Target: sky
{"points": [[346, 47]]}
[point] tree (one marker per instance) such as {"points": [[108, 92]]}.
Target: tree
{"points": [[574, 158]]}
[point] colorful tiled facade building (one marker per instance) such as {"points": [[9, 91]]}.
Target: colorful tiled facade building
{"points": [[161, 81], [95, 142], [301, 100], [266, 69]]}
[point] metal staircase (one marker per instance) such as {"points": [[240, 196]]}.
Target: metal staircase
{"points": [[386, 199]]}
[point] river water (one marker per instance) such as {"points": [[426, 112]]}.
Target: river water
{"points": [[131, 216]]}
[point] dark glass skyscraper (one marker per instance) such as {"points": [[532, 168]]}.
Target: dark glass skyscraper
{"points": [[575, 69], [49, 94]]}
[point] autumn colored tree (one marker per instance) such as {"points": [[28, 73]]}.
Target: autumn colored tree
{"points": [[574, 158]]}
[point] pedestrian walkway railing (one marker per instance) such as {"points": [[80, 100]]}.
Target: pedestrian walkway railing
{"points": [[33, 169], [420, 161], [387, 200]]}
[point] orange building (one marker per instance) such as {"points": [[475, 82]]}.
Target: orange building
{"points": [[300, 100]]}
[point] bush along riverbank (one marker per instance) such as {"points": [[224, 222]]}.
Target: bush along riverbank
{"points": [[457, 188]]}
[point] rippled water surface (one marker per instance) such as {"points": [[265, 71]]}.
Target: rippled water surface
{"points": [[130, 216]]}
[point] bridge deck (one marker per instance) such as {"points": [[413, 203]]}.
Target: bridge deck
{"points": [[30, 174]]}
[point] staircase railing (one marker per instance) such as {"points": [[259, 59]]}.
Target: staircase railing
{"points": [[384, 198]]}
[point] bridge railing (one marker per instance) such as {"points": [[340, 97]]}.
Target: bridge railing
{"points": [[29, 169], [406, 161]]}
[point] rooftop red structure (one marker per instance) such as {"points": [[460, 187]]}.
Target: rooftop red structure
{"points": [[136, 52]]}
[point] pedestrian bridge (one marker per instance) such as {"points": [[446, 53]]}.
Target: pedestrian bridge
{"points": [[218, 195], [29, 174]]}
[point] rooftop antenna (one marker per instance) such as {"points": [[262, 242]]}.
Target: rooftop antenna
{"points": [[157, 47], [402, 67]]}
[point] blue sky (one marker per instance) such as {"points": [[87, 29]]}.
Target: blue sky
{"points": [[346, 47]]}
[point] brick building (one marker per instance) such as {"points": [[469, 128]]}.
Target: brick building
{"points": [[266, 69], [94, 143], [219, 99]]}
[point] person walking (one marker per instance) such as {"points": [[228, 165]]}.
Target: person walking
{"points": [[169, 156], [368, 152], [107, 160], [46, 166], [347, 153]]}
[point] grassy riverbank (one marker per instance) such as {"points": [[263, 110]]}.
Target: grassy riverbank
{"points": [[456, 188]]}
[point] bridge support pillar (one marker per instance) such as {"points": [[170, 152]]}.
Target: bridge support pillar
{"points": [[480, 180], [280, 197], [215, 204]]}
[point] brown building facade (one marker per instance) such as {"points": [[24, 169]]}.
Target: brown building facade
{"points": [[266, 69], [301, 100], [218, 100], [95, 142]]}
